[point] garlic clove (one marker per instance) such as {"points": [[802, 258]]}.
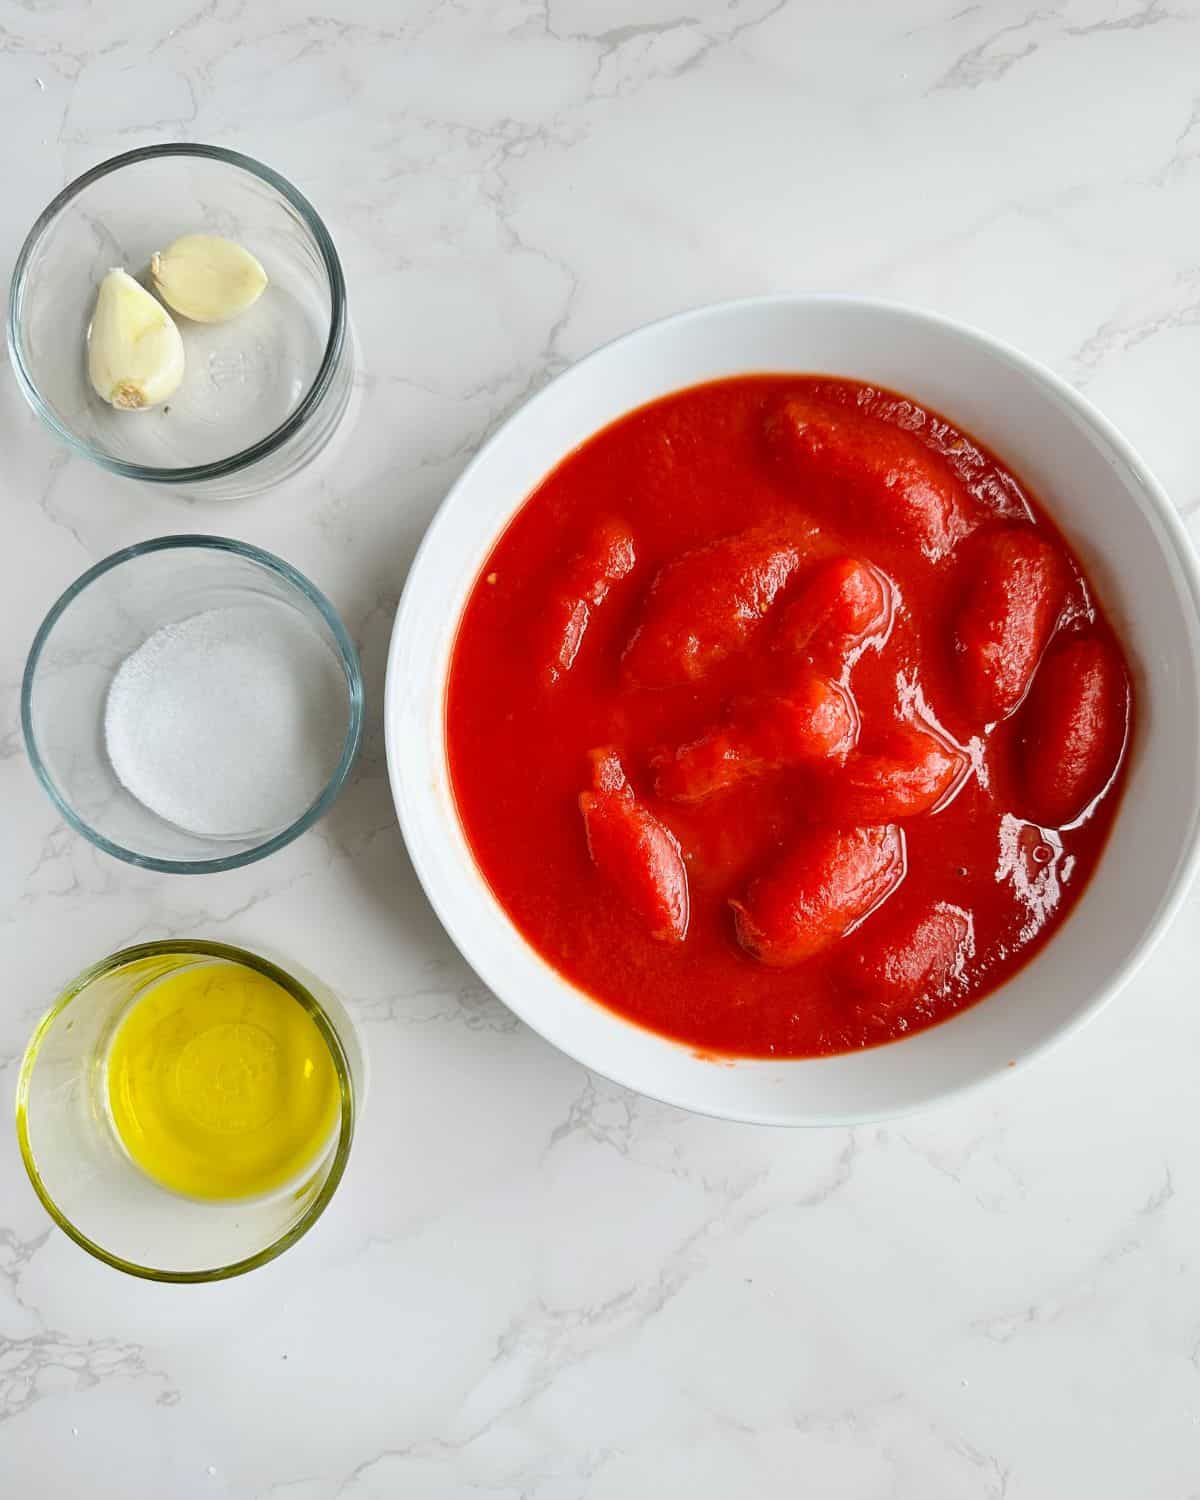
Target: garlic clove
{"points": [[207, 278], [134, 352]]}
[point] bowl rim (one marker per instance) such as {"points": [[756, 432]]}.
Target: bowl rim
{"points": [[1173, 896], [233, 463], [308, 591], [329, 1034]]}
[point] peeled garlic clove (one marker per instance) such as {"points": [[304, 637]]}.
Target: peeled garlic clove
{"points": [[135, 354], [207, 278]]}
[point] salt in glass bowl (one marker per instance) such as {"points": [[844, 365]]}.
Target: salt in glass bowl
{"points": [[261, 394], [107, 614]]}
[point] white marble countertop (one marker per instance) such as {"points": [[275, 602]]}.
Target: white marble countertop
{"points": [[532, 1284]]}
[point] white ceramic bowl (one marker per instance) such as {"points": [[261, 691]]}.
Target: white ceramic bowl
{"points": [[1113, 512]]}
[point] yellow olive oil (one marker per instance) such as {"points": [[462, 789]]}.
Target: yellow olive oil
{"points": [[219, 1084]]}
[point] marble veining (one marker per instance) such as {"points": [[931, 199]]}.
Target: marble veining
{"points": [[532, 1283]]}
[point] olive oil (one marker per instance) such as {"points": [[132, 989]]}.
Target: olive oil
{"points": [[219, 1084]]}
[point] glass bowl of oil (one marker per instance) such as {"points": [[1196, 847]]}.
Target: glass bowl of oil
{"points": [[185, 1109]]}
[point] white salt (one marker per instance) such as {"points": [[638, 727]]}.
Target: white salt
{"points": [[229, 723]]}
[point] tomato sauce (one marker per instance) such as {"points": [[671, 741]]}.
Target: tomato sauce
{"points": [[756, 704]]}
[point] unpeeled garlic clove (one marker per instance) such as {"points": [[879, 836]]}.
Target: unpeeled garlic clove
{"points": [[207, 278], [135, 354]]}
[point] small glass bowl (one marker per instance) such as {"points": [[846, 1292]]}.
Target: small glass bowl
{"points": [[261, 394], [80, 1171], [108, 613]]}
